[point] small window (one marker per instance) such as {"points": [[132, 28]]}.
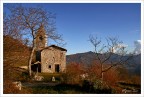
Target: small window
{"points": [[49, 66]]}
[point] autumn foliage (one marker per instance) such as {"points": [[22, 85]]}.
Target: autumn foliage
{"points": [[10, 88], [111, 76], [73, 72], [15, 54]]}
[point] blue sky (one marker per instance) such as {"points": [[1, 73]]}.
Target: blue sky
{"points": [[76, 21]]}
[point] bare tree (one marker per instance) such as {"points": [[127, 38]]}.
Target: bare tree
{"points": [[113, 53], [26, 22]]}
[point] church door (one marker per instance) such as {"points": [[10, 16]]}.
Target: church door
{"points": [[57, 68]]}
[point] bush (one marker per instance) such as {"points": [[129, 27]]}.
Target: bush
{"points": [[73, 72], [103, 87], [87, 86], [97, 87], [24, 77]]}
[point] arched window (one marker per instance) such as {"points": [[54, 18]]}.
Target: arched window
{"points": [[49, 66]]}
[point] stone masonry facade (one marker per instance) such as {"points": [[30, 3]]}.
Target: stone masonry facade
{"points": [[52, 59]]}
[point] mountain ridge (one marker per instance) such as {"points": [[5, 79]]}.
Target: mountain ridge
{"points": [[87, 58]]}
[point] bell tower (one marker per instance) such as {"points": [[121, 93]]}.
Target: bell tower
{"points": [[41, 38]]}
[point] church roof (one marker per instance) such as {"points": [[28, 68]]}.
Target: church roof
{"points": [[63, 49], [57, 47]]}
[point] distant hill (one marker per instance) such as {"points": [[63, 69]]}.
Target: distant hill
{"points": [[88, 58], [84, 58]]}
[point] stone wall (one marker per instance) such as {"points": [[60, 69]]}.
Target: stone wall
{"points": [[40, 40], [50, 57]]}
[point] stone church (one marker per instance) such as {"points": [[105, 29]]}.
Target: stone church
{"points": [[49, 59]]}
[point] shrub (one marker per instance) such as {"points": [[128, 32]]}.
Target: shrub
{"points": [[96, 87], [87, 86], [111, 77], [73, 72]]}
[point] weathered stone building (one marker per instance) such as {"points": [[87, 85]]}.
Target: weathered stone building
{"points": [[53, 59], [49, 59]]}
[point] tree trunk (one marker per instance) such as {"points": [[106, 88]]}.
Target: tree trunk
{"points": [[102, 72], [30, 60], [102, 76]]}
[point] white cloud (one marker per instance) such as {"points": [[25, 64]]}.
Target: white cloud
{"points": [[117, 47], [137, 44]]}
